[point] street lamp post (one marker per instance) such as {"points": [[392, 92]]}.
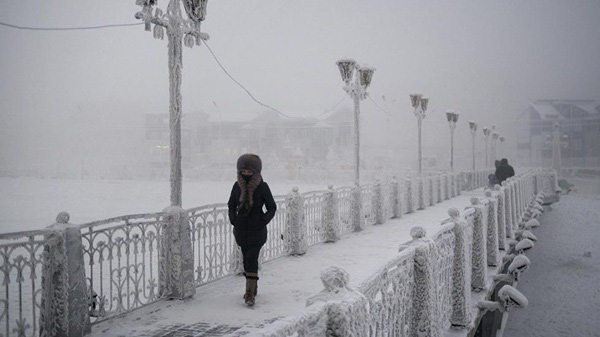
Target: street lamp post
{"points": [[178, 29], [502, 139], [557, 143], [486, 136], [419, 103], [452, 117], [495, 136], [473, 128], [356, 86]]}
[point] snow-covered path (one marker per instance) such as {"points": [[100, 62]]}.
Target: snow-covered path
{"points": [[563, 281], [285, 284]]}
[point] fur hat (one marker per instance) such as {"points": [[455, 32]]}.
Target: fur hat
{"points": [[250, 162]]}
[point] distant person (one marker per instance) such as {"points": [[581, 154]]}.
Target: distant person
{"points": [[510, 171], [248, 196], [497, 176]]}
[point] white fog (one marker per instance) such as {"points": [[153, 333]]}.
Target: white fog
{"points": [[84, 102]]}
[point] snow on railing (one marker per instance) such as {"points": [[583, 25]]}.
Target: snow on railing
{"points": [[213, 246], [122, 256], [389, 294], [427, 287], [21, 255]]}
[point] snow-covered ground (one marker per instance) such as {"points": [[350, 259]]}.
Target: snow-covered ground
{"points": [[31, 203], [563, 282]]}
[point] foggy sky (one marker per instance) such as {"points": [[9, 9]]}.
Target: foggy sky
{"points": [[486, 59]]}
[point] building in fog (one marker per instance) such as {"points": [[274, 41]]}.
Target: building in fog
{"points": [[218, 140], [578, 119]]}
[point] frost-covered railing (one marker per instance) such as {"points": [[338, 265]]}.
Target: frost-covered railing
{"points": [[213, 246], [21, 259], [121, 257], [427, 288], [130, 261], [389, 294], [444, 251]]}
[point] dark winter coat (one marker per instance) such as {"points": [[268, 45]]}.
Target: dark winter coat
{"points": [[504, 171], [250, 226]]}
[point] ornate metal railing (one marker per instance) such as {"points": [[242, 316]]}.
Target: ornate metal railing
{"points": [[366, 197], [344, 204], [275, 245], [313, 215], [389, 292], [213, 246], [121, 256], [21, 259], [444, 243]]}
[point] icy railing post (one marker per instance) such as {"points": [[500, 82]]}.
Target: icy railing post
{"points": [[500, 217], [439, 188], [421, 195], [357, 217], [492, 229], [397, 200], [424, 313], [518, 199], [347, 311], [446, 187], [409, 199], [461, 275], [64, 309], [460, 183], [378, 203], [513, 195], [295, 228], [508, 208], [431, 190], [330, 216], [479, 253], [452, 178], [176, 259], [507, 222]]}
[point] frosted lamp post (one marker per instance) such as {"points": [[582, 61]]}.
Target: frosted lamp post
{"points": [[495, 136], [473, 128], [557, 143], [419, 103], [452, 117], [356, 86], [502, 139], [486, 136], [178, 29]]}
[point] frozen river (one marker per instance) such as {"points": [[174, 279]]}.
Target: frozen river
{"points": [[30, 203]]}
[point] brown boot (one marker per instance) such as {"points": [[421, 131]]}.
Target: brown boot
{"points": [[249, 296]]}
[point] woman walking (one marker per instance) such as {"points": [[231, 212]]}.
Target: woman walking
{"points": [[248, 196]]}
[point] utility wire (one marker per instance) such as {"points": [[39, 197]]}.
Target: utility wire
{"points": [[377, 105], [70, 28], [141, 23], [241, 86]]}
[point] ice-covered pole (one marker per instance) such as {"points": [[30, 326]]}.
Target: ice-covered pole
{"points": [[419, 103], [179, 30]]}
